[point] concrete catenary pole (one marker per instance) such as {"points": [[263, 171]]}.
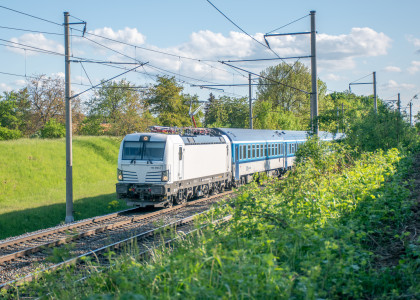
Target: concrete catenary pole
{"points": [[69, 154], [314, 94], [399, 103], [250, 102], [375, 103], [411, 116]]}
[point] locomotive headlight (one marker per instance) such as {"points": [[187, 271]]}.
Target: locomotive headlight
{"points": [[119, 175], [165, 175]]}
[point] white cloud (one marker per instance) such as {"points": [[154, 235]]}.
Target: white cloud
{"points": [[5, 88], [392, 69], [37, 40], [335, 52], [127, 35], [413, 40], [80, 80], [20, 82], [361, 42], [208, 44], [414, 68], [333, 77], [393, 85], [58, 74]]}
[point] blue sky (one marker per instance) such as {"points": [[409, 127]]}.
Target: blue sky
{"points": [[354, 39]]}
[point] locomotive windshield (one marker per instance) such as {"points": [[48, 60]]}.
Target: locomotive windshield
{"points": [[143, 150]]}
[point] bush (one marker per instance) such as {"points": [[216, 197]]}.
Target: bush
{"points": [[383, 130], [9, 134], [91, 126], [53, 129]]}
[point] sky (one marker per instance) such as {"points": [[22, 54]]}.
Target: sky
{"points": [[187, 39]]}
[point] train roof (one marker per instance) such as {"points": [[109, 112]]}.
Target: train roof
{"points": [[154, 137], [202, 139], [257, 135]]}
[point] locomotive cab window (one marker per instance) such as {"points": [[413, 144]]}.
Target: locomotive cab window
{"points": [[143, 151]]}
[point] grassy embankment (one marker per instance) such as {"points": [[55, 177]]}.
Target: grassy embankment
{"points": [[339, 226], [33, 185]]}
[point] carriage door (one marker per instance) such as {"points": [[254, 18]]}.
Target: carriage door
{"points": [[179, 156]]}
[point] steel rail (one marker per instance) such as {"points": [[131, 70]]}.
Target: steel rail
{"points": [[61, 241], [65, 228], [119, 244]]}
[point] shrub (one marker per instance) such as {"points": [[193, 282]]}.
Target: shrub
{"points": [[9, 134], [53, 129], [91, 126], [383, 130]]}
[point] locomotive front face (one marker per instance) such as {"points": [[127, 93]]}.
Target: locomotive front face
{"points": [[143, 170]]}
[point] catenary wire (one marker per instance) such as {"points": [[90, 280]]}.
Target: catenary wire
{"points": [[29, 15], [288, 24], [121, 42], [29, 30]]}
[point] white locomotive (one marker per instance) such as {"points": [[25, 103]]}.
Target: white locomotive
{"points": [[156, 169]]}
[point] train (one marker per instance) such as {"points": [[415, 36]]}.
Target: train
{"points": [[168, 166]]}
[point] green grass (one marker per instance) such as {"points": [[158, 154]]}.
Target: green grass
{"points": [[33, 181]]}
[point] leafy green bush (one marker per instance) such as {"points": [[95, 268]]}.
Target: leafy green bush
{"points": [[317, 234], [91, 126], [9, 134], [383, 130], [53, 129]]}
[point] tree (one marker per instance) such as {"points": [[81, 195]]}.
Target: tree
{"points": [[216, 114], [227, 112], [15, 110], [268, 118], [120, 106], [382, 130], [168, 104], [45, 96], [8, 111], [282, 97]]}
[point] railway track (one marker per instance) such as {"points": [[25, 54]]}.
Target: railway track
{"points": [[22, 256]]}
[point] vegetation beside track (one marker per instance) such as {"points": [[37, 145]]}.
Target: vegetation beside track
{"points": [[33, 184], [325, 231]]}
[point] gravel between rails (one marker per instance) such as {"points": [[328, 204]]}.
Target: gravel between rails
{"points": [[22, 266]]}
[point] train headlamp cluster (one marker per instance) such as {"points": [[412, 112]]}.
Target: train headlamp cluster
{"points": [[165, 176], [119, 175]]}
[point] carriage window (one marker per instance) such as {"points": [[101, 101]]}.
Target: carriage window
{"points": [[258, 151], [249, 151], [276, 149]]}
